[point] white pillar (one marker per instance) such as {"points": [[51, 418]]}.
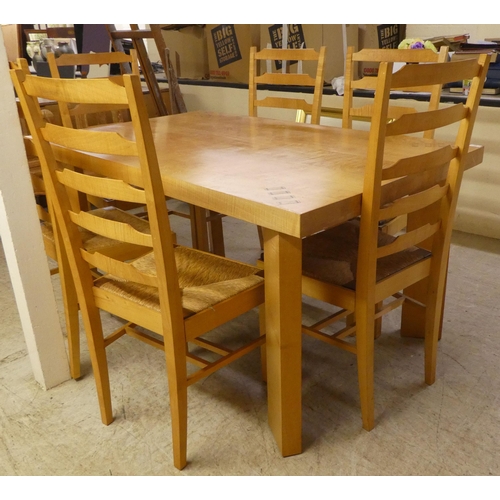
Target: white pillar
{"points": [[23, 245]]}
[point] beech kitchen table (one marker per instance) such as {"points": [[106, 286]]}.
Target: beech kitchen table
{"points": [[289, 178]]}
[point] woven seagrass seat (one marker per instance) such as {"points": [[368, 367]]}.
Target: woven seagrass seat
{"points": [[332, 256], [205, 280]]}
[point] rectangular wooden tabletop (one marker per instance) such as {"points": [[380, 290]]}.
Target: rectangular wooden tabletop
{"points": [[290, 177]]}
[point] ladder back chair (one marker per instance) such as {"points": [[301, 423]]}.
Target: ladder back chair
{"points": [[175, 294], [49, 234], [355, 266], [286, 78]]}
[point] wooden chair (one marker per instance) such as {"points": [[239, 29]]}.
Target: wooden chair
{"points": [[92, 241], [175, 293], [286, 78], [355, 266]]}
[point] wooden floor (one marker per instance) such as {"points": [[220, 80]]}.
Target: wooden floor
{"points": [[451, 428]]}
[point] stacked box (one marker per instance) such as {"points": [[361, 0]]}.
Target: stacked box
{"points": [[313, 36], [188, 51], [228, 48]]}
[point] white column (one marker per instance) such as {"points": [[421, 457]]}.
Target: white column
{"points": [[22, 242]]}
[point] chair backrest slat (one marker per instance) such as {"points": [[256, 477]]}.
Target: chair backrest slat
{"points": [[109, 143], [101, 187], [118, 268], [120, 231], [408, 240], [411, 123], [278, 102], [286, 79], [413, 202], [419, 163]]}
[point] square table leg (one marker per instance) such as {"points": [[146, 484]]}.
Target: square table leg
{"points": [[283, 288]]}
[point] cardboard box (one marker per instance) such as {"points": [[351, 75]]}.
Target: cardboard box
{"points": [[188, 51], [379, 36], [228, 48], [313, 36]]}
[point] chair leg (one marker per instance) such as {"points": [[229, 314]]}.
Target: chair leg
{"points": [[178, 412], [261, 237], [263, 352], [71, 315], [97, 350], [70, 301], [433, 323], [365, 357], [216, 234], [378, 321], [175, 357]]}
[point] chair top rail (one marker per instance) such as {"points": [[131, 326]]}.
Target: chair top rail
{"points": [[93, 58], [93, 91], [434, 73], [396, 55], [299, 79], [288, 54]]}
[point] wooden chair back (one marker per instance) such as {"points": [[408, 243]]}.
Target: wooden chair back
{"points": [[351, 81], [80, 115], [286, 78]]}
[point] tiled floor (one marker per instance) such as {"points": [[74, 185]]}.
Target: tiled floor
{"points": [[450, 428]]}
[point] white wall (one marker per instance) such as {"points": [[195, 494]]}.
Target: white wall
{"points": [[476, 31]]}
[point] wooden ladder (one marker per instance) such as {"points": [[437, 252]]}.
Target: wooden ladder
{"points": [[137, 36]]}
